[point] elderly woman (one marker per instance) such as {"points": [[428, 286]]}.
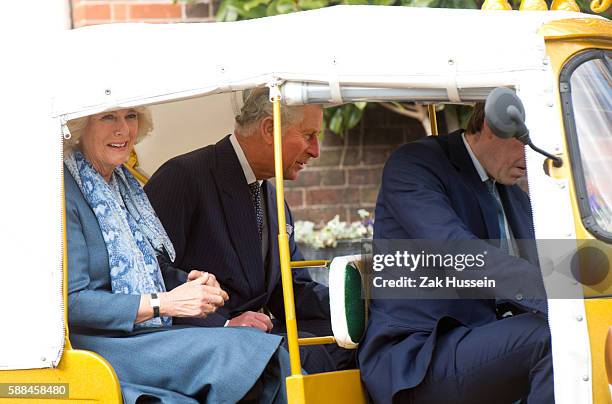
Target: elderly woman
{"points": [[123, 291]]}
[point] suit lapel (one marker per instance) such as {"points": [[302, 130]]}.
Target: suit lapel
{"points": [[239, 214], [515, 201], [273, 267], [460, 158], [518, 213]]}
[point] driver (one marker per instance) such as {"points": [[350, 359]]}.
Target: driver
{"points": [[460, 186]]}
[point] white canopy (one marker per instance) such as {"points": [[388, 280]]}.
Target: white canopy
{"points": [[121, 64]]}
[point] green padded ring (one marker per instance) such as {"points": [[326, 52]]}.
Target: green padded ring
{"points": [[354, 307]]}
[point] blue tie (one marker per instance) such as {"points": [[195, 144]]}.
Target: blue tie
{"points": [[501, 220], [256, 199]]}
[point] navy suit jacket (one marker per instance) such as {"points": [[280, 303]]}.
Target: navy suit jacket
{"points": [[204, 203], [431, 190]]}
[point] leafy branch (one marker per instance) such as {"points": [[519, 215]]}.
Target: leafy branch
{"points": [[233, 10]]}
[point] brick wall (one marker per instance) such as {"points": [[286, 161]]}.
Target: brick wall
{"points": [[346, 176], [91, 12]]}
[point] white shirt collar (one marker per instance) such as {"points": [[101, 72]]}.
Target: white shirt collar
{"points": [[479, 168], [244, 163]]}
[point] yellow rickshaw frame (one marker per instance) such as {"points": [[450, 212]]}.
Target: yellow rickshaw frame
{"points": [[99, 382], [332, 387]]}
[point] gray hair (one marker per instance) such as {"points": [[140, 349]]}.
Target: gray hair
{"points": [[77, 128], [257, 106]]}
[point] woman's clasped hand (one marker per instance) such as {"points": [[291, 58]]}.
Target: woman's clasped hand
{"points": [[197, 297]]}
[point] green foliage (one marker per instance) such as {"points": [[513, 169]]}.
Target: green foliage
{"points": [[344, 117], [462, 112], [441, 3], [233, 10]]}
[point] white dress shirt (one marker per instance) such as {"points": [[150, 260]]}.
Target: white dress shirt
{"points": [[512, 247], [250, 178]]}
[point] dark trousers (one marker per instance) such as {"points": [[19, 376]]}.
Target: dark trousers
{"points": [[500, 362], [319, 358]]}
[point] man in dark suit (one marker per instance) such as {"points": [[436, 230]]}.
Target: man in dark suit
{"points": [[220, 212], [460, 187]]}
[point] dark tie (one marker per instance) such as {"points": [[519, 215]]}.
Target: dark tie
{"points": [[501, 219], [256, 198]]}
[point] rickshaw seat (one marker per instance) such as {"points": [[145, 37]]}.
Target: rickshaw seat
{"points": [[89, 378]]}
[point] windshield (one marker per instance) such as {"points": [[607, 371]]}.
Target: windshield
{"points": [[591, 96]]}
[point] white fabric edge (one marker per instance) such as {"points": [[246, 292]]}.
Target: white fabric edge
{"points": [[570, 341], [337, 307]]}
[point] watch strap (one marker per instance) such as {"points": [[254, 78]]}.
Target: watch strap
{"points": [[155, 304]]}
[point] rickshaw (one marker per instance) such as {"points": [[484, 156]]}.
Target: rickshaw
{"points": [[557, 61]]}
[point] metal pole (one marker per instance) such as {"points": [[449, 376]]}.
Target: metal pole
{"points": [[283, 241]]}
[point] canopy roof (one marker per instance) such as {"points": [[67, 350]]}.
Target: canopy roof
{"points": [[400, 47]]}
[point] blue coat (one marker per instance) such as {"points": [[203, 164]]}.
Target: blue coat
{"points": [[431, 190], [204, 203], [177, 365]]}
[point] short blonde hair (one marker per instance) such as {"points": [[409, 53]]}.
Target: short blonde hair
{"points": [[77, 127]]}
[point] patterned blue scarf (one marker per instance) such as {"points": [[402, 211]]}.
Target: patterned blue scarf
{"points": [[132, 232]]}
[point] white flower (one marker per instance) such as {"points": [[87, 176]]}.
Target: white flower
{"points": [[333, 231]]}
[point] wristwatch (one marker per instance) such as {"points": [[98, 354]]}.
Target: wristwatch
{"points": [[155, 304]]}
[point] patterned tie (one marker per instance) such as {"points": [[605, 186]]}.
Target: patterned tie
{"points": [[256, 198], [501, 219]]}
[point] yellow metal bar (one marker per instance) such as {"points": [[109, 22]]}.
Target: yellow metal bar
{"points": [[137, 174], [283, 245], [132, 166], [309, 264], [316, 341], [433, 121]]}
